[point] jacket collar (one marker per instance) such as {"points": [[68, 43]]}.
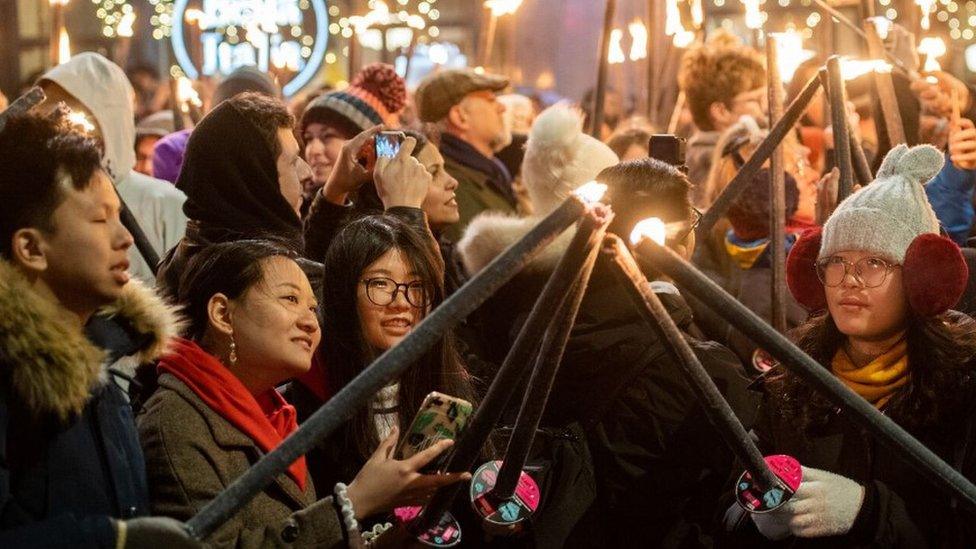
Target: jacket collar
{"points": [[227, 436], [47, 364]]}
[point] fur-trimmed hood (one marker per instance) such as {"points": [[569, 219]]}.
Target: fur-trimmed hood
{"points": [[47, 364], [487, 236]]}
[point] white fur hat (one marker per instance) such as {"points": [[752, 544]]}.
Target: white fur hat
{"points": [[559, 157]]}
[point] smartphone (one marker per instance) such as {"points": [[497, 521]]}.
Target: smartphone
{"points": [[388, 143], [440, 417], [668, 148]]}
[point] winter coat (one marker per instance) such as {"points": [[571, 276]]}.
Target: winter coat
{"points": [[193, 454], [70, 459], [475, 192], [901, 507], [951, 196], [645, 428], [103, 88], [698, 158]]}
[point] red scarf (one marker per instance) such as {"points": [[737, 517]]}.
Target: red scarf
{"points": [[267, 418]]}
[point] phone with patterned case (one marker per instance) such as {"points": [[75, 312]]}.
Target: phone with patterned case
{"points": [[440, 417]]}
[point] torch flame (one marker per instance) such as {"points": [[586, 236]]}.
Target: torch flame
{"points": [[672, 23], [652, 228], [616, 53], [638, 35], [64, 47], [77, 118], [502, 7], [186, 95], [927, 6], [697, 13], [591, 192], [932, 47], [855, 68], [754, 18], [791, 53], [124, 29], [882, 25]]}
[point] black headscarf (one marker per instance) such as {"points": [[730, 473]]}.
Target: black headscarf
{"points": [[230, 177]]}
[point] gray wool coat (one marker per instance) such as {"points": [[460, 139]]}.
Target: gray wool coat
{"points": [[192, 454]]}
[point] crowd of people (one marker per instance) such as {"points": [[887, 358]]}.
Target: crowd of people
{"points": [[292, 255]]}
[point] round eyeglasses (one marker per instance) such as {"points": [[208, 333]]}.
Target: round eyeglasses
{"points": [[870, 272], [382, 291]]}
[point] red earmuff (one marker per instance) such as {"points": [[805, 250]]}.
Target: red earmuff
{"points": [[801, 271], [935, 274]]}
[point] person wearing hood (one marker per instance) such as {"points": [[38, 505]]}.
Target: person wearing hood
{"points": [[71, 467], [242, 177], [879, 280], [95, 86], [616, 382]]}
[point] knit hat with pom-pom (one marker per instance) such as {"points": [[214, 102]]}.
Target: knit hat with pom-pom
{"points": [[886, 216], [376, 95], [559, 157]]}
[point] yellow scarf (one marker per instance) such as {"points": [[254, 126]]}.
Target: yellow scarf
{"points": [[877, 381]]}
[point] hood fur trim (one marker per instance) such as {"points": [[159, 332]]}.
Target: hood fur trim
{"points": [[487, 236], [46, 362], [149, 315]]}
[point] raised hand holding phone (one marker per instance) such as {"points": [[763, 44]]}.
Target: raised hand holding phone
{"points": [[385, 482], [401, 180], [349, 173]]}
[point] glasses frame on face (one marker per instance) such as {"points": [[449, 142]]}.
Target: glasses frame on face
{"points": [[397, 288], [858, 271], [683, 234]]}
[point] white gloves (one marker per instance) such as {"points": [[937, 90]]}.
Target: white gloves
{"points": [[824, 505]]}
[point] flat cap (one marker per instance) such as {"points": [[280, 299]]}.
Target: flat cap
{"points": [[440, 91]]}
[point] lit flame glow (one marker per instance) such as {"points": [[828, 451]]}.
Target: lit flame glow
{"points": [[502, 7], [697, 13], [932, 47], [124, 29], [197, 17], [789, 45], [927, 7], [186, 95], [638, 35], [64, 47], [683, 39], [59, 2], [79, 119], [931, 80], [855, 68], [672, 22], [591, 192], [616, 53], [652, 228], [754, 18], [882, 25]]}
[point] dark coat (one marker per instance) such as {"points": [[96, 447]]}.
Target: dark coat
{"points": [[901, 508], [69, 454], [193, 454], [657, 459]]}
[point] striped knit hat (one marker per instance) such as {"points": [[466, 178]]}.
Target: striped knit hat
{"points": [[376, 96]]}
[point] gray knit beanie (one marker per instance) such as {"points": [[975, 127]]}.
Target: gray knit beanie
{"points": [[886, 216]]}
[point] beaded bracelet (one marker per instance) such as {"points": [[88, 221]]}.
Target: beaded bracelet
{"points": [[370, 535], [345, 507]]}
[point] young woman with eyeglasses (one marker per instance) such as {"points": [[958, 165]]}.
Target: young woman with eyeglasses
{"points": [[881, 280], [381, 278]]}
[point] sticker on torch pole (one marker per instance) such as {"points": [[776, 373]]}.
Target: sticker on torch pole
{"points": [[503, 512], [447, 532], [751, 498]]}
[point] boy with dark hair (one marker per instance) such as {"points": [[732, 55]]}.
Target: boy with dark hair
{"points": [[71, 471], [721, 84]]}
